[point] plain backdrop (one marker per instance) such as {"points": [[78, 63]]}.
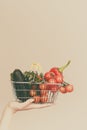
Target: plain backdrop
{"points": [[48, 32]]}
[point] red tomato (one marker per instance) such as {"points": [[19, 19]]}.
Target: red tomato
{"points": [[52, 80], [49, 75], [62, 89], [36, 99], [55, 70], [32, 92], [69, 88], [47, 86], [42, 86], [59, 78], [44, 99], [51, 83], [54, 88], [43, 92]]}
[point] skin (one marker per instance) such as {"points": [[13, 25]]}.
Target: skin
{"points": [[13, 107]]}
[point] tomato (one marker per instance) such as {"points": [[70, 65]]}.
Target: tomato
{"points": [[49, 75], [52, 80], [36, 99], [69, 88], [43, 92], [42, 86], [44, 99], [54, 88], [54, 70], [32, 92], [51, 85], [62, 89], [58, 70], [56, 79], [59, 78]]}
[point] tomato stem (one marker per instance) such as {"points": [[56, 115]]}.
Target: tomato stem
{"points": [[65, 83], [61, 69]]}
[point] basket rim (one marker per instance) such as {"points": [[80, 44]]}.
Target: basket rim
{"points": [[47, 83]]}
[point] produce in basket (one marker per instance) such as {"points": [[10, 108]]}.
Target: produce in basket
{"points": [[43, 87], [56, 74], [18, 76]]}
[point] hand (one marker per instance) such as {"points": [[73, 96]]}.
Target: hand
{"points": [[27, 105], [15, 106]]}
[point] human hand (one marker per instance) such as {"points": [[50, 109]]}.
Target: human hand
{"points": [[27, 105], [13, 107]]}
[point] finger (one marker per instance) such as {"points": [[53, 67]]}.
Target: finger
{"points": [[37, 106], [29, 101], [26, 103], [20, 106]]}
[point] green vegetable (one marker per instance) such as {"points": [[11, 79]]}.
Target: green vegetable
{"points": [[21, 89], [31, 76]]}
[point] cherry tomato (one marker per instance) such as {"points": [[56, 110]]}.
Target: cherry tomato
{"points": [[32, 92], [54, 88], [42, 86], [52, 80], [44, 99], [58, 70], [36, 99], [62, 89], [49, 75], [51, 83], [69, 88], [59, 78], [43, 92], [55, 70]]}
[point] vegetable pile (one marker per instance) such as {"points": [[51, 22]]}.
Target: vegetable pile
{"points": [[43, 87]]}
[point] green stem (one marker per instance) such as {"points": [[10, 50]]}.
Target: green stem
{"points": [[65, 83], [61, 69]]}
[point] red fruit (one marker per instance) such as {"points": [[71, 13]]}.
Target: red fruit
{"points": [[54, 70], [59, 71], [51, 83], [52, 80], [43, 92], [36, 99], [59, 78], [58, 75], [44, 99], [42, 86], [62, 89], [49, 75], [54, 88], [32, 92], [69, 88]]}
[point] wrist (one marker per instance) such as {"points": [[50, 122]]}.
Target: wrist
{"points": [[11, 109], [6, 117]]}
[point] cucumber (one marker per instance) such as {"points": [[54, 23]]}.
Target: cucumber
{"points": [[20, 88]]}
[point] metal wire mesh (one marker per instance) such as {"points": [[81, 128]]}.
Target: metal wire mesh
{"points": [[25, 90]]}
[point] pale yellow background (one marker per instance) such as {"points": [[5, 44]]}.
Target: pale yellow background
{"points": [[49, 32]]}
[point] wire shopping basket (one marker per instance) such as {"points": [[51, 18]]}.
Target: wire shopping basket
{"points": [[41, 92]]}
